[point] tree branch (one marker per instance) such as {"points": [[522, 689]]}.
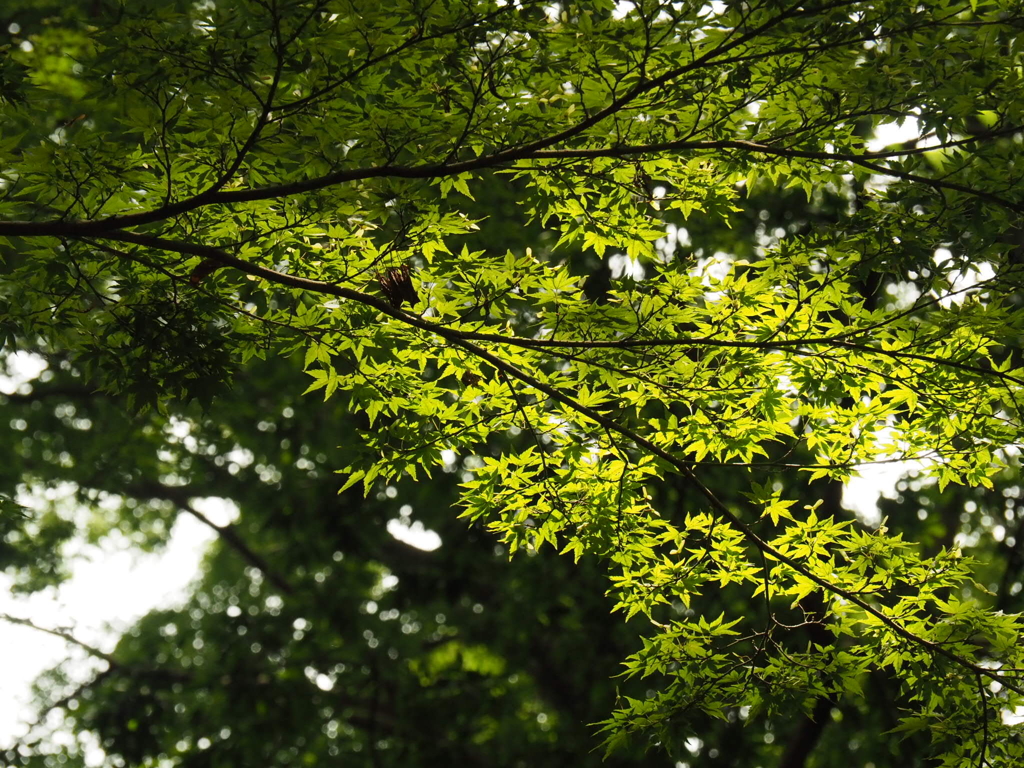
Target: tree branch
{"points": [[231, 537], [281, 278], [538, 149], [681, 466], [505, 158], [63, 635], [227, 533]]}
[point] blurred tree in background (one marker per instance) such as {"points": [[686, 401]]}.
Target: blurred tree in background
{"points": [[619, 284]]}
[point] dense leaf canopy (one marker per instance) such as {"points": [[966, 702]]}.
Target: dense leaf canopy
{"points": [[627, 286]]}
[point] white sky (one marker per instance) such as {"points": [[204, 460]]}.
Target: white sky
{"points": [[107, 592], [891, 133]]}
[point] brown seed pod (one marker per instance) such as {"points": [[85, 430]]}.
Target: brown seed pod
{"points": [[396, 282]]}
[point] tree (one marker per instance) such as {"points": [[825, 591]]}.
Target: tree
{"points": [[298, 179]]}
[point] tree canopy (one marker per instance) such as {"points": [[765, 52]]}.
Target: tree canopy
{"points": [[627, 287]]}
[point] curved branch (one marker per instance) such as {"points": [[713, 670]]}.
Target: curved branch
{"points": [[502, 159], [679, 465], [230, 537], [227, 533], [63, 635], [538, 149], [304, 283]]}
